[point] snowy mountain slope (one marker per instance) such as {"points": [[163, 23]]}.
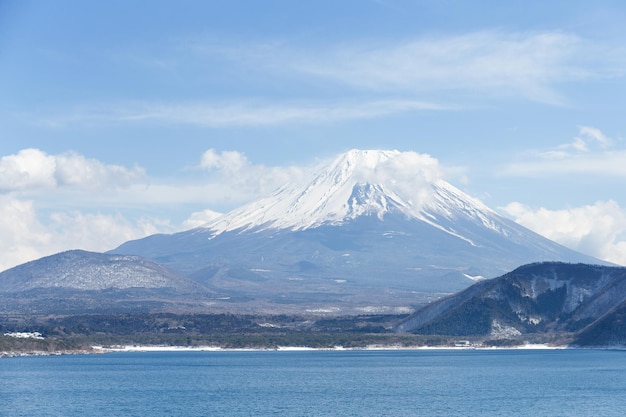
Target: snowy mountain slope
{"points": [[374, 221], [359, 182], [81, 281], [83, 270]]}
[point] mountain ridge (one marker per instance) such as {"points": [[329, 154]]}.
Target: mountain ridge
{"points": [[370, 223]]}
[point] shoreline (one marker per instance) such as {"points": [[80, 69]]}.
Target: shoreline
{"points": [[104, 349], [149, 348], [16, 354], [99, 350]]}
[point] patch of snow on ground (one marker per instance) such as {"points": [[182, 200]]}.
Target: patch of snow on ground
{"points": [[324, 310], [25, 335], [502, 331], [474, 277]]}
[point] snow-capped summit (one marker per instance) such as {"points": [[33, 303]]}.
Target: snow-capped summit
{"points": [[358, 183]]}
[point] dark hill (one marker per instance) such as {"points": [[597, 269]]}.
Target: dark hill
{"points": [[587, 302]]}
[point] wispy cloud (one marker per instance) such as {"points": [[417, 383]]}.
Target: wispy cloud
{"points": [[252, 113], [362, 79], [590, 153], [529, 65]]}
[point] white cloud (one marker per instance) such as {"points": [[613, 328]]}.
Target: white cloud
{"points": [[598, 230], [200, 218], [589, 139], [26, 236], [35, 169], [226, 160], [590, 153], [73, 169], [592, 134], [56, 181], [22, 234], [603, 164], [29, 168], [409, 173], [220, 180], [101, 232], [233, 171]]}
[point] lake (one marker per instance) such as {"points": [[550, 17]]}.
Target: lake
{"points": [[318, 383]]}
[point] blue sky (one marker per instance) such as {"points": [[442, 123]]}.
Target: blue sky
{"points": [[120, 119]]}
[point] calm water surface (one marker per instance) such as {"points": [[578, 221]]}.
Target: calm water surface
{"points": [[318, 383]]}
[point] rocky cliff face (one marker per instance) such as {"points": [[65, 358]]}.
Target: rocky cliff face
{"points": [[538, 298]]}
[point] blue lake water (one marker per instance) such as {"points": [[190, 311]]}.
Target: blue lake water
{"points": [[318, 383]]}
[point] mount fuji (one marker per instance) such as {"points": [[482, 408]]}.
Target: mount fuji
{"points": [[370, 231]]}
